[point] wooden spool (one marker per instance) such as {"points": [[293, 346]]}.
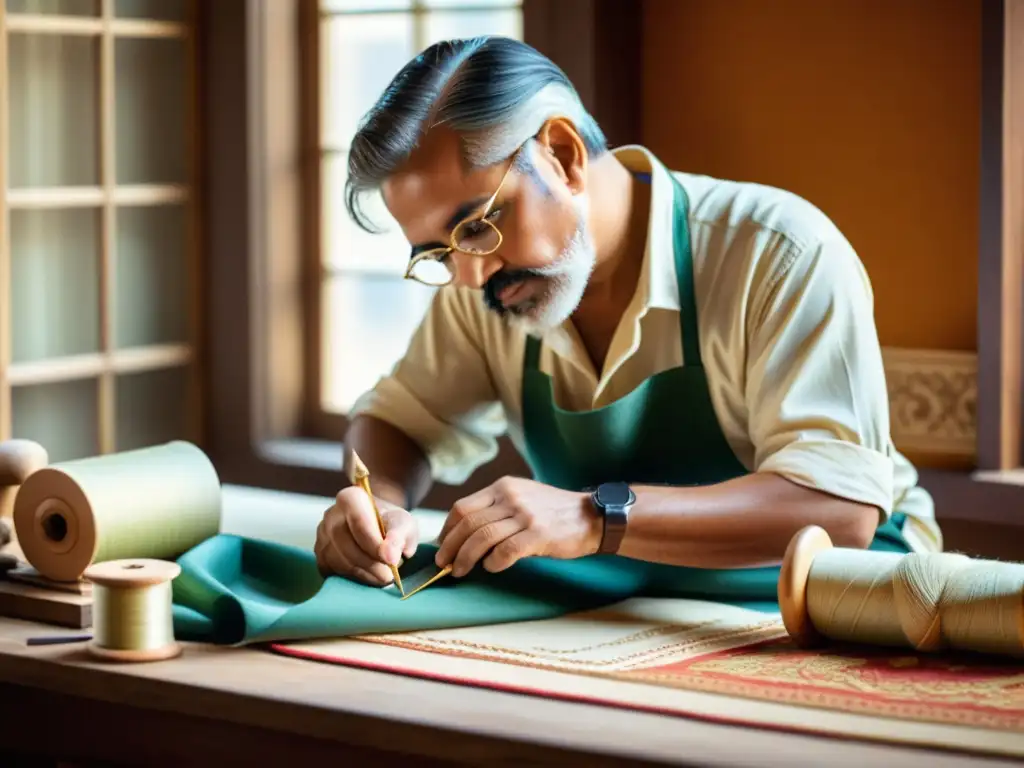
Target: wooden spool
{"points": [[18, 460], [111, 581], [793, 579]]}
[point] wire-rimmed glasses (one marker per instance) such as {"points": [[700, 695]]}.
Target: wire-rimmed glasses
{"points": [[475, 235]]}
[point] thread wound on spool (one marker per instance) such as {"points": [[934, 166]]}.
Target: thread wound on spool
{"points": [[919, 584], [924, 601], [132, 610]]}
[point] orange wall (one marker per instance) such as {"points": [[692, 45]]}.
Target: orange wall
{"points": [[868, 108]]}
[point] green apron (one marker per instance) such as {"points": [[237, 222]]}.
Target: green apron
{"points": [[664, 432], [236, 590]]}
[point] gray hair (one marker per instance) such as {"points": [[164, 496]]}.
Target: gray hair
{"points": [[495, 92]]}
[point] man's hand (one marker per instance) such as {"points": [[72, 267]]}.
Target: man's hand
{"points": [[515, 518], [348, 540]]}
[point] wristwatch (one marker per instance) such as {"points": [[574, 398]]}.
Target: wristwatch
{"points": [[613, 501]]}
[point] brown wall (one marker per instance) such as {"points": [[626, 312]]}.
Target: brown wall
{"points": [[868, 108]]}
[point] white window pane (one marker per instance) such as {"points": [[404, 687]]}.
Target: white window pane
{"points": [[361, 55], [161, 10], [150, 100], [62, 7], [52, 95], [443, 25], [63, 417], [333, 6], [368, 322], [152, 408], [55, 290], [346, 245], [152, 277], [471, 3]]}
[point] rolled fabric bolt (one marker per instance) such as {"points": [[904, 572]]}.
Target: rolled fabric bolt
{"points": [[156, 502]]}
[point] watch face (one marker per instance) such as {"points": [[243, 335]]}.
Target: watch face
{"points": [[614, 494]]}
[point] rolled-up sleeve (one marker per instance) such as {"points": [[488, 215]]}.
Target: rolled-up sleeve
{"points": [[816, 389], [440, 393]]}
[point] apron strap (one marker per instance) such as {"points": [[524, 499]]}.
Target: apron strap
{"points": [[684, 276], [531, 355]]}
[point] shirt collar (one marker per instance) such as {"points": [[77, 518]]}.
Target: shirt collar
{"points": [[657, 285]]}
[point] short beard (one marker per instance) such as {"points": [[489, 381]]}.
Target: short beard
{"points": [[565, 282]]}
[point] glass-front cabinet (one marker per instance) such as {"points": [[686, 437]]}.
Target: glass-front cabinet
{"points": [[98, 229]]}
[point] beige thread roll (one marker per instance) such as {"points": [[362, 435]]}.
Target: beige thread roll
{"points": [[133, 618], [154, 502], [927, 601]]}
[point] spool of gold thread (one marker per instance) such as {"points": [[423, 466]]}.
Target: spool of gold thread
{"points": [[924, 601], [132, 614]]}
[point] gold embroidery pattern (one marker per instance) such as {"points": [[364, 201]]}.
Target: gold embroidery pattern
{"points": [[759, 662], [542, 658]]}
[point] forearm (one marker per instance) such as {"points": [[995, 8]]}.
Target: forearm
{"points": [[745, 522], [399, 471]]}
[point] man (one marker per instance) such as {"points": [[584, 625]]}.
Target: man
{"points": [[689, 365]]}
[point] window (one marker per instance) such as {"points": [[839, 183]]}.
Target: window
{"points": [[97, 260], [367, 312], [1000, 415]]}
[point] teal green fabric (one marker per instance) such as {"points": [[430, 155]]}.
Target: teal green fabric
{"points": [[235, 590]]}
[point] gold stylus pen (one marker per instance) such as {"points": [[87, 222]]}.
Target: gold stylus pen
{"points": [[361, 477]]}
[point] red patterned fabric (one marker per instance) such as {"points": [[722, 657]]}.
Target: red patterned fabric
{"points": [[941, 689], [713, 662]]}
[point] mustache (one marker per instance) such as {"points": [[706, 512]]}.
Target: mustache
{"points": [[499, 281]]}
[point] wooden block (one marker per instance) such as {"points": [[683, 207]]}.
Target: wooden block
{"points": [[26, 574], [24, 601]]}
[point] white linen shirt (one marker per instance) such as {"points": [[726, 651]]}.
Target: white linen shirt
{"points": [[787, 336]]}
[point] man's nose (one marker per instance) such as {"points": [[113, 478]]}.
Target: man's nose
{"points": [[474, 271]]}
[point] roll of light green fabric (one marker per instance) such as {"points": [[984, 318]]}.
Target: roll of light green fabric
{"points": [[154, 502]]}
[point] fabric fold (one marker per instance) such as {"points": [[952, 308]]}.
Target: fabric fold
{"points": [[234, 590]]}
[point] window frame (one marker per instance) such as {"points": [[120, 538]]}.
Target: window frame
{"points": [[262, 314], [1000, 416], [318, 422]]}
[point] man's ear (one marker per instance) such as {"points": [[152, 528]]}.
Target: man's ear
{"points": [[561, 145]]}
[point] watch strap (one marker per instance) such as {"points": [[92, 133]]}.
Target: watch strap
{"points": [[614, 501], [615, 519]]}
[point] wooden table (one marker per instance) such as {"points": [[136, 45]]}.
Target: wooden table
{"points": [[223, 706]]}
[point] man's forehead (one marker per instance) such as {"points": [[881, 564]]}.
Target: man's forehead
{"points": [[437, 159], [424, 191]]}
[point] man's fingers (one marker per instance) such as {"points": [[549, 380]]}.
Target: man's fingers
{"points": [[331, 561], [511, 550], [343, 566], [362, 522], [338, 554], [402, 535], [465, 507], [375, 572], [466, 527], [482, 541]]}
